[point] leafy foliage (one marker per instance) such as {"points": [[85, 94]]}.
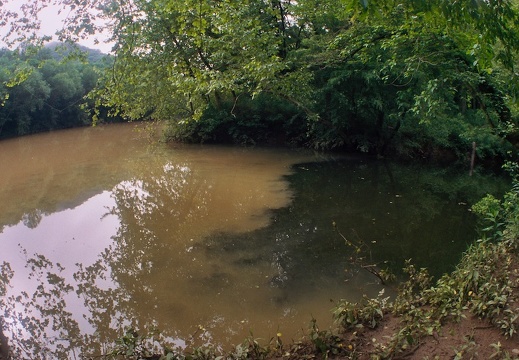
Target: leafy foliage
{"points": [[367, 313], [415, 78], [45, 92]]}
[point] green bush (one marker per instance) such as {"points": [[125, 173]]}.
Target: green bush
{"points": [[262, 120]]}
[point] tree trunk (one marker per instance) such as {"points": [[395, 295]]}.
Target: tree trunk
{"points": [[4, 346]]}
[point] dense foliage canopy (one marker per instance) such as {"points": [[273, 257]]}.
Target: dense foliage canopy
{"points": [[40, 92], [418, 78]]}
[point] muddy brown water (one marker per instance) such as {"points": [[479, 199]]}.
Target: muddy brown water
{"points": [[103, 229]]}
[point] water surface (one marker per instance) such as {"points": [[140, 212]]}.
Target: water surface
{"points": [[102, 229]]}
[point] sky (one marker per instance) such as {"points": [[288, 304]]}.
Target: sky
{"points": [[51, 21]]}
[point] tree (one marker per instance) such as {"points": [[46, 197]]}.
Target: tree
{"points": [[24, 101], [417, 72], [366, 73], [180, 57], [44, 93]]}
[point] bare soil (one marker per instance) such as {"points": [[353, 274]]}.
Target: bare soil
{"points": [[469, 338]]}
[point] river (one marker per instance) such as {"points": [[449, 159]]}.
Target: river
{"points": [[104, 228]]}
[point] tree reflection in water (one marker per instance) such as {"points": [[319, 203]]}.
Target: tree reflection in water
{"points": [[41, 324], [155, 264]]}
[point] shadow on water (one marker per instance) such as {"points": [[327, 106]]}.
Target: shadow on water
{"points": [[397, 212]]}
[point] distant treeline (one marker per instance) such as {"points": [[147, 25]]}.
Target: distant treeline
{"points": [[45, 89]]}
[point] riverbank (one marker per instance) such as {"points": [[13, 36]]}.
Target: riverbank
{"points": [[460, 317]]}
